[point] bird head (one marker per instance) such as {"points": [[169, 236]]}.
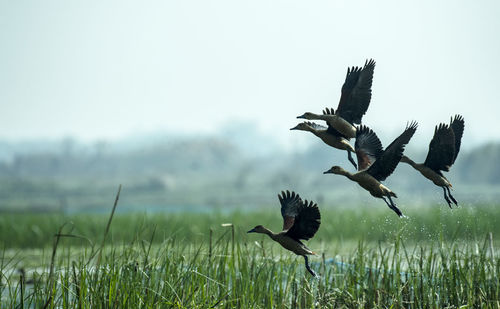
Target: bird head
{"points": [[302, 126], [307, 115], [334, 170], [257, 229]]}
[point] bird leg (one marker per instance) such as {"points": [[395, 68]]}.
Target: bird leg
{"points": [[393, 206], [349, 156], [446, 197], [309, 268], [451, 196]]}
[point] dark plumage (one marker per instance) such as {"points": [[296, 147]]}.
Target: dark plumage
{"points": [[306, 223], [354, 101], [386, 162], [356, 92], [375, 164], [457, 125], [301, 220], [367, 146], [443, 151]]}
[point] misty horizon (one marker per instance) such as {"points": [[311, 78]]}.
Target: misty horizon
{"points": [[238, 133]]}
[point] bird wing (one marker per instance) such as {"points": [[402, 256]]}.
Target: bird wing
{"points": [[335, 132], [441, 149], [329, 111], [316, 126], [290, 204], [387, 162], [356, 92], [368, 147], [306, 222], [457, 125]]}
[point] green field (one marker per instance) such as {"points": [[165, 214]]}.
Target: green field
{"points": [[366, 258]]}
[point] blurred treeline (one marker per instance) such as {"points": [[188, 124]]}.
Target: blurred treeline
{"points": [[220, 170]]}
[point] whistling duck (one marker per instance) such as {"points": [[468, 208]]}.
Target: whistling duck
{"points": [[301, 220], [443, 151], [329, 136], [354, 101], [375, 164]]}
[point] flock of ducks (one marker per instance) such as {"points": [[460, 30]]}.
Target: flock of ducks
{"points": [[301, 219]]}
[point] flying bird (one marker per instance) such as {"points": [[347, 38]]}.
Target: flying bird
{"points": [[301, 220], [354, 101], [375, 164], [329, 136], [443, 151]]}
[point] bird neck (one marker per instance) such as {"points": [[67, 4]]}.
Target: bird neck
{"points": [[314, 116], [345, 173], [268, 232], [324, 117], [407, 160]]}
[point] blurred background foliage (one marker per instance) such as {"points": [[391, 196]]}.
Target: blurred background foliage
{"points": [[235, 168]]}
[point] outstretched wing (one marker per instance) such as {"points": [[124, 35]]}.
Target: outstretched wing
{"points": [[306, 222], [441, 149], [387, 162], [457, 125], [356, 92], [368, 147], [290, 206]]}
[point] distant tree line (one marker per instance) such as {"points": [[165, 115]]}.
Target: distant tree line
{"points": [[213, 157]]}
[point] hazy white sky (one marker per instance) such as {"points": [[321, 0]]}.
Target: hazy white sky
{"points": [[105, 69]]}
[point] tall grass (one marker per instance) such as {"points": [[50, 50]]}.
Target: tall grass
{"points": [[258, 274], [368, 259]]}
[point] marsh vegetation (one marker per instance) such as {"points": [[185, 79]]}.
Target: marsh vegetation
{"points": [[366, 258]]}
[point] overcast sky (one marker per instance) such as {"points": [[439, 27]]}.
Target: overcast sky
{"points": [[106, 69]]}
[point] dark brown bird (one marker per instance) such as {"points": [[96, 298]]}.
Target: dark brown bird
{"points": [[443, 151], [375, 164], [301, 220], [354, 101]]}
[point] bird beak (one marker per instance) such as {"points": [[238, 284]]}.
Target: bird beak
{"points": [[301, 117], [251, 231], [327, 172]]}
